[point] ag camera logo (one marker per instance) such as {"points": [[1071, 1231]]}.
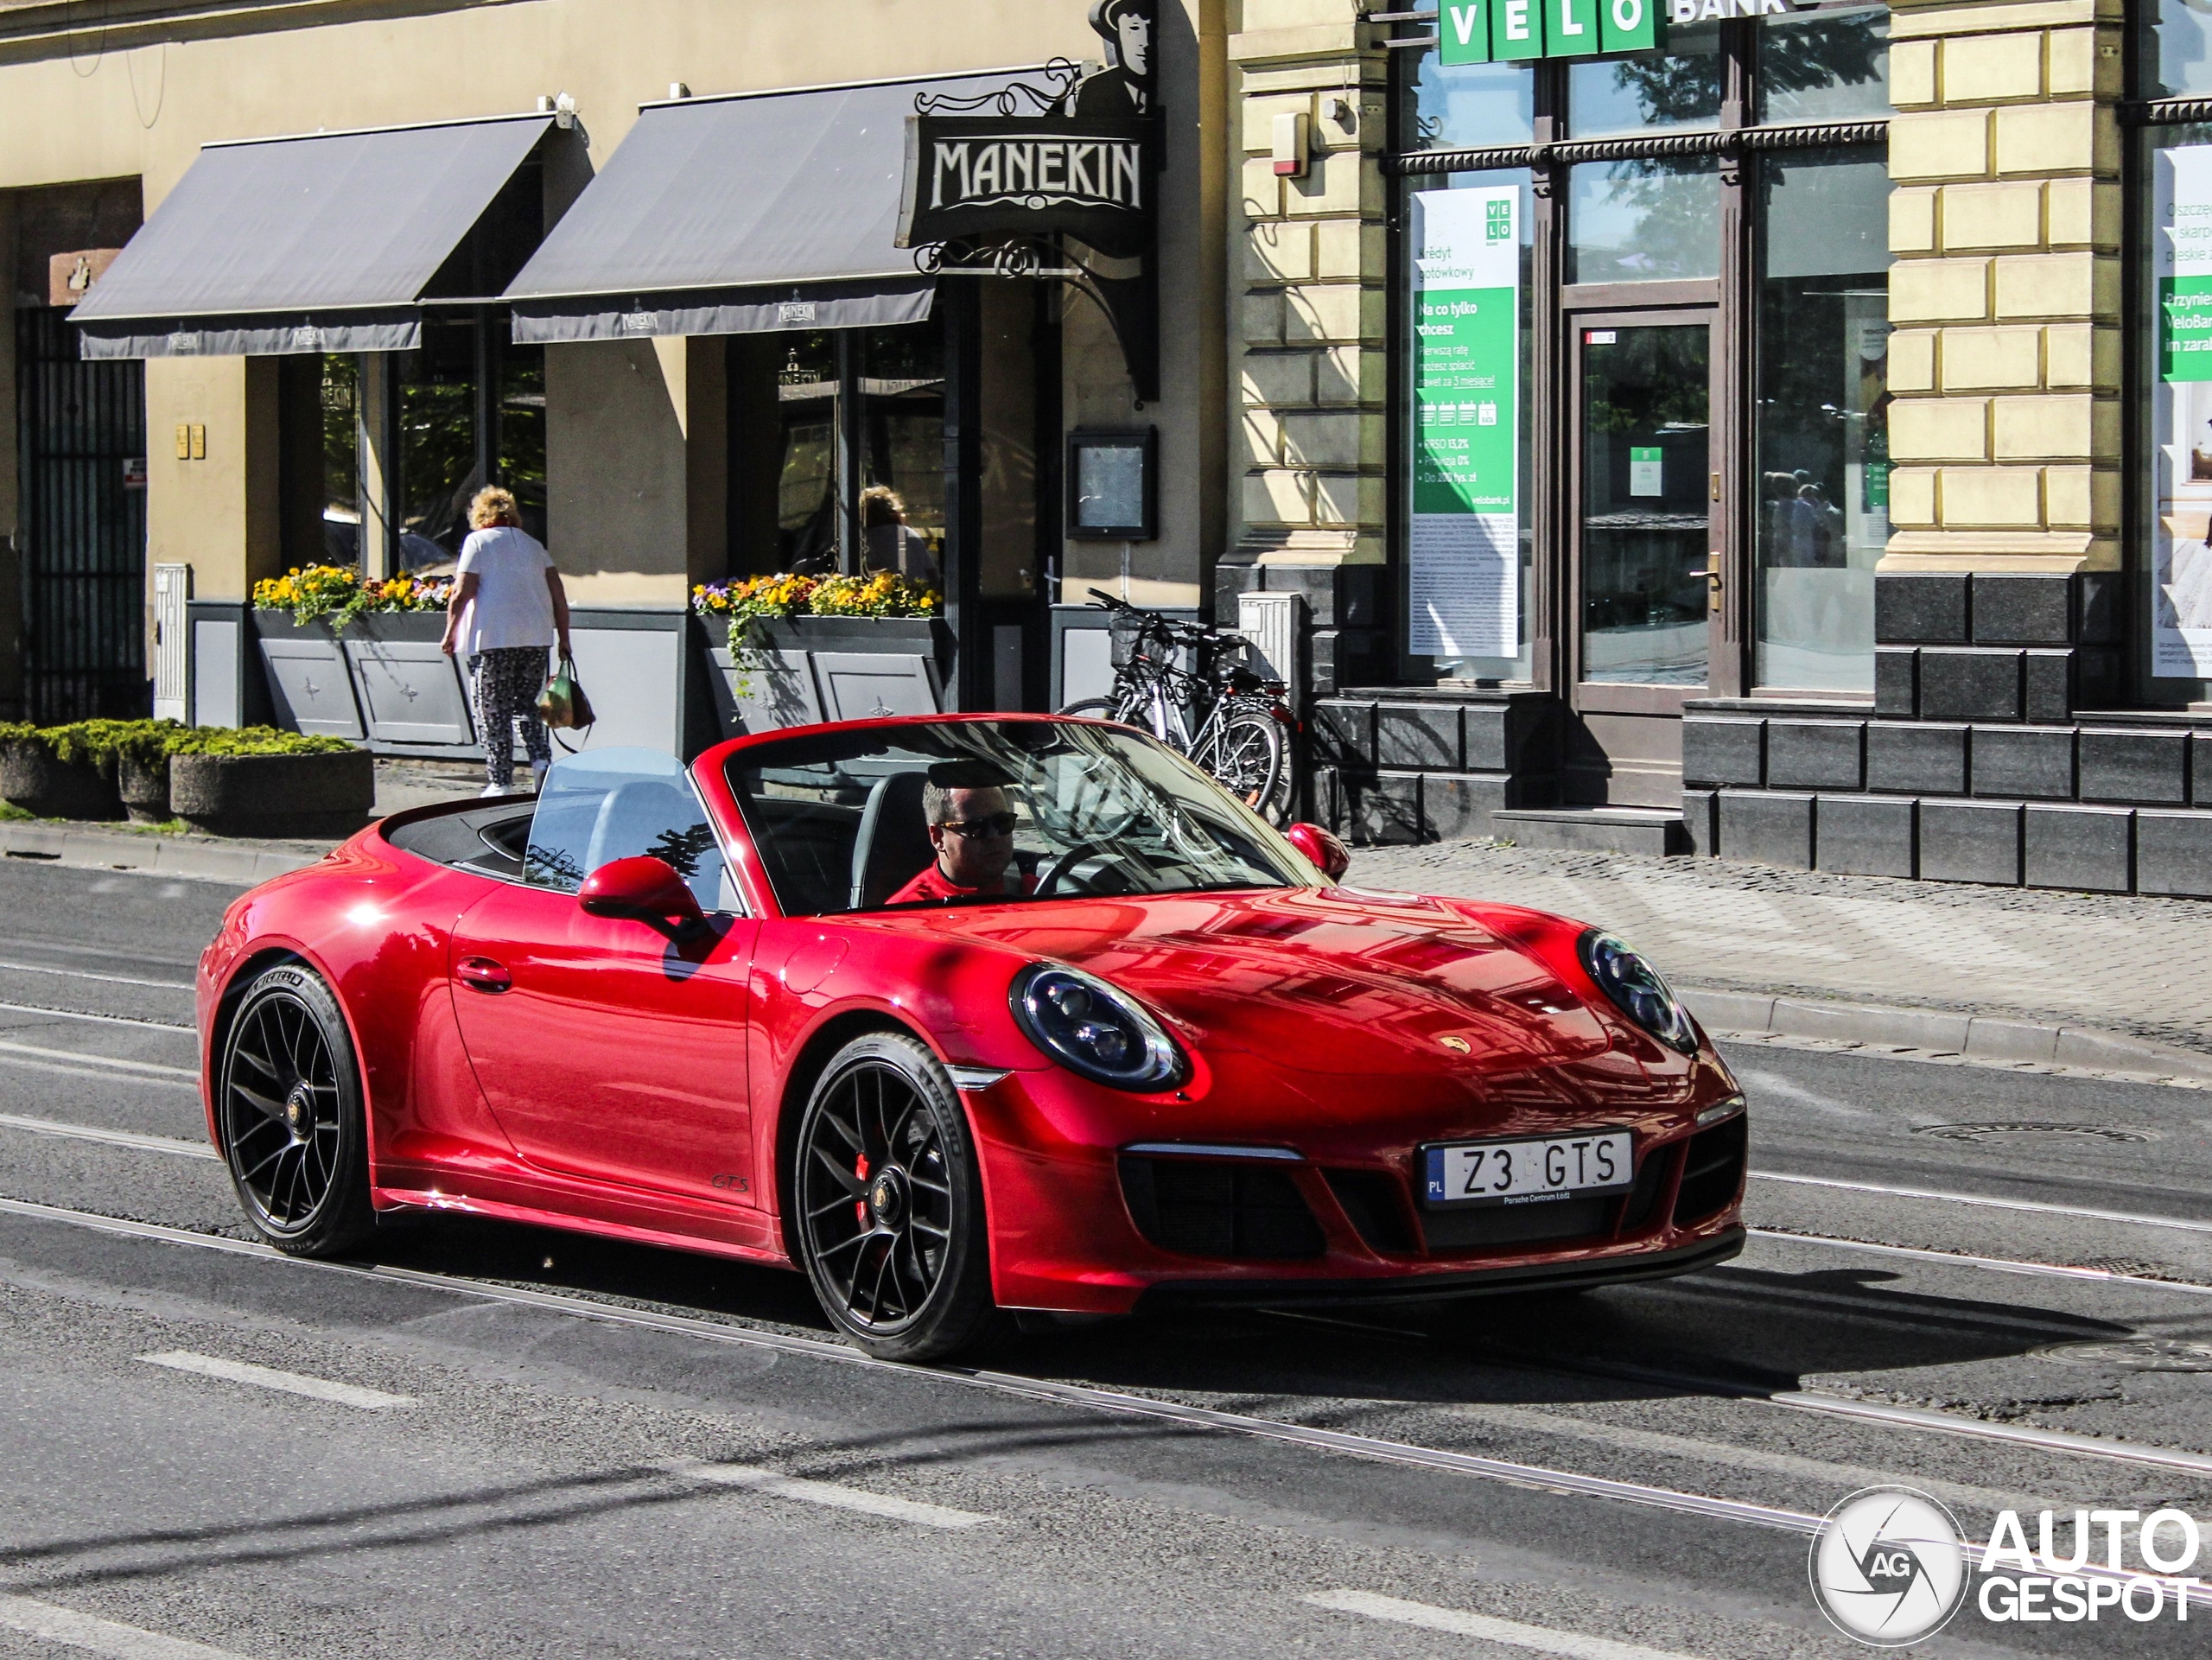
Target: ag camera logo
{"points": [[1888, 1567]]}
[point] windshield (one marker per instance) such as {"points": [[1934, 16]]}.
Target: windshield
{"points": [[994, 811]]}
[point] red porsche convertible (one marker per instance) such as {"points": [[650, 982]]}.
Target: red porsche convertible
{"points": [[959, 1014]]}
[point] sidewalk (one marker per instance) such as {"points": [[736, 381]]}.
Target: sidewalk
{"points": [[2114, 963]]}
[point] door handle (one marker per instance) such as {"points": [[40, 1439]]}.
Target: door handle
{"points": [[1712, 581], [483, 974]]}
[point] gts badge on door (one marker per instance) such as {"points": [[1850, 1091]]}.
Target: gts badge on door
{"points": [[729, 1184]]}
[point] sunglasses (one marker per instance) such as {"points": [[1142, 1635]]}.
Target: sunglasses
{"points": [[999, 823]]}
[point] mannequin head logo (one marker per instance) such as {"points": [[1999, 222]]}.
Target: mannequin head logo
{"points": [[1124, 87]]}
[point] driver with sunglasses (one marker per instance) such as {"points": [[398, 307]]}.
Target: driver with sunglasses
{"points": [[972, 826]]}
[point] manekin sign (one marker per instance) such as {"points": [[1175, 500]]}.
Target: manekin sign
{"points": [[984, 178], [1083, 165]]}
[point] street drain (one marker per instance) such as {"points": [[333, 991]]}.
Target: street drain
{"points": [[1977, 1132], [2138, 1354]]}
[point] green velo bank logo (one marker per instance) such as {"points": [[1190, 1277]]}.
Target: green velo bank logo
{"points": [[1495, 31]]}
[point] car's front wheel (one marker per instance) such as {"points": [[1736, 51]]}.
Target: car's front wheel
{"points": [[288, 1096], [890, 1205]]}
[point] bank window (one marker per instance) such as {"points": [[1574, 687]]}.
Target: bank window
{"points": [[1822, 427], [1471, 106], [2174, 435], [1680, 87], [2177, 55], [1827, 66], [1653, 219]]}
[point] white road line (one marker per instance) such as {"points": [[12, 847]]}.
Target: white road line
{"points": [[1537, 1640], [1845, 1477], [102, 1019], [170, 1144], [831, 1493], [86, 974], [75, 1631], [99, 1063], [1992, 1204], [1075, 1395], [1997, 1264], [267, 1378]]}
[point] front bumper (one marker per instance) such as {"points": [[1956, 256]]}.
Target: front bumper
{"points": [[1087, 1216]]}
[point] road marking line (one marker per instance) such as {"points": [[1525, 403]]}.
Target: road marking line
{"points": [[168, 1144], [1997, 1264], [86, 974], [1847, 1477], [102, 1020], [99, 1062], [1993, 1204], [73, 1630], [1538, 1639], [829, 1493], [267, 1378], [1563, 1482]]}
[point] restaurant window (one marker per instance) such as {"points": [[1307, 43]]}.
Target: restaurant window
{"points": [[471, 411], [837, 451], [1822, 427], [319, 403]]}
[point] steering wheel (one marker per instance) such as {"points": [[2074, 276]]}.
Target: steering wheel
{"points": [[1049, 877]]}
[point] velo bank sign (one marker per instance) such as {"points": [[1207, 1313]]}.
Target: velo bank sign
{"points": [[1497, 31]]}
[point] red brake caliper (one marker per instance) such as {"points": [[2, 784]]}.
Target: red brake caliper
{"points": [[859, 1206]]}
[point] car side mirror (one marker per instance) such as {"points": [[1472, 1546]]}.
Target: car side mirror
{"points": [[644, 889], [1323, 848]]}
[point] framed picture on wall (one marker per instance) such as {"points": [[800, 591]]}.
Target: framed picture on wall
{"points": [[1113, 486]]}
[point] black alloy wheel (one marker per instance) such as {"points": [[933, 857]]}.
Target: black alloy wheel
{"points": [[289, 1109], [890, 1205]]}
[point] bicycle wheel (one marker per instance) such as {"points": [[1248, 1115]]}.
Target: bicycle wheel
{"points": [[1247, 759], [1097, 709]]}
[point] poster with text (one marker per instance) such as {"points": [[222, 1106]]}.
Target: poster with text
{"points": [[2181, 537], [1465, 552]]}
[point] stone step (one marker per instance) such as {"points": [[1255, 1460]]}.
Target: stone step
{"points": [[1652, 830]]}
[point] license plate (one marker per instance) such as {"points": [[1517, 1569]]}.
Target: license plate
{"points": [[1527, 1173]]}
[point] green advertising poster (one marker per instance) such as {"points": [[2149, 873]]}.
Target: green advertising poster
{"points": [[1465, 554], [2181, 529]]}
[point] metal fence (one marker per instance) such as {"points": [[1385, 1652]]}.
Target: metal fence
{"points": [[83, 430]]}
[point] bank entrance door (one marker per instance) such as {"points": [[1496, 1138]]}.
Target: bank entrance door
{"points": [[1643, 541]]}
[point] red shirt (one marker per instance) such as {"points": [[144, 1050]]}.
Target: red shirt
{"points": [[932, 888]]}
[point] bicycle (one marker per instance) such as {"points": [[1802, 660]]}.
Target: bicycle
{"points": [[1243, 720]]}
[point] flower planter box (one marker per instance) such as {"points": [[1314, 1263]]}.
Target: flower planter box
{"points": [[274, 795], [31, 777], [309, 685], [144, 790], [802, 669]]}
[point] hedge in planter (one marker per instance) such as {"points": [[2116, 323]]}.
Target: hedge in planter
{"points": [[88, 769], [258, 781]]}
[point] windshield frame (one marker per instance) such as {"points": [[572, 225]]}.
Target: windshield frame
{"points": [[717, 772]]}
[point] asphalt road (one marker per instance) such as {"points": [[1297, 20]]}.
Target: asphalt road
{"points": [[493, 1440]]}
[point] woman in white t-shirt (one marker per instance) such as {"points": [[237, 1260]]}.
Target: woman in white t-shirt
{"points": [[507, 607]]}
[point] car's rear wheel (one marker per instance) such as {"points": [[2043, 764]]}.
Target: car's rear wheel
{"points": [[288, 1108], [890, 1205]]}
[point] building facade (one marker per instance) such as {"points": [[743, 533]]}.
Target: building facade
{"points": [[1733, 426]]}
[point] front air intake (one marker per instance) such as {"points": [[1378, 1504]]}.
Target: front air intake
{"points": [[1713, 1170], [1202, 1207]]}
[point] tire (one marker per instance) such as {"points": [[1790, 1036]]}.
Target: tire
{"points": [[1247, 759], [288, 1111], [889, 1203]]}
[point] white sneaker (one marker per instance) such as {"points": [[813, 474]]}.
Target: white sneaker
{"points": [[497, 789], [538, 769]]}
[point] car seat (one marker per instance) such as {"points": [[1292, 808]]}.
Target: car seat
{"points": [[893, 845]]}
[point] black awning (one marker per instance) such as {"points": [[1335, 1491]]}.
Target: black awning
{"points": [[739, 215], [315, 243]]}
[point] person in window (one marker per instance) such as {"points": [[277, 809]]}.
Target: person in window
{"points": [[889, 543], [507, 607], [972, 826]]}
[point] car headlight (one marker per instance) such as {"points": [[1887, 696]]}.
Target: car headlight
{"points": [[1093, 1028], [1637, 991]]}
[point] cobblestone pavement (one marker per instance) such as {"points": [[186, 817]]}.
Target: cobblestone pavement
{"points": [[2121, 963]]}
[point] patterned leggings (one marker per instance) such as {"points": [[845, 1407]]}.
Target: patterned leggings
{"points": [[508, 680]]}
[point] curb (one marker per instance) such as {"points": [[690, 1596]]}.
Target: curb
{"points": [[1974, 1037], [242, 863]]}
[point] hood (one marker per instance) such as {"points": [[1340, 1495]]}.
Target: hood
{"points": [[1331, 981]]}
